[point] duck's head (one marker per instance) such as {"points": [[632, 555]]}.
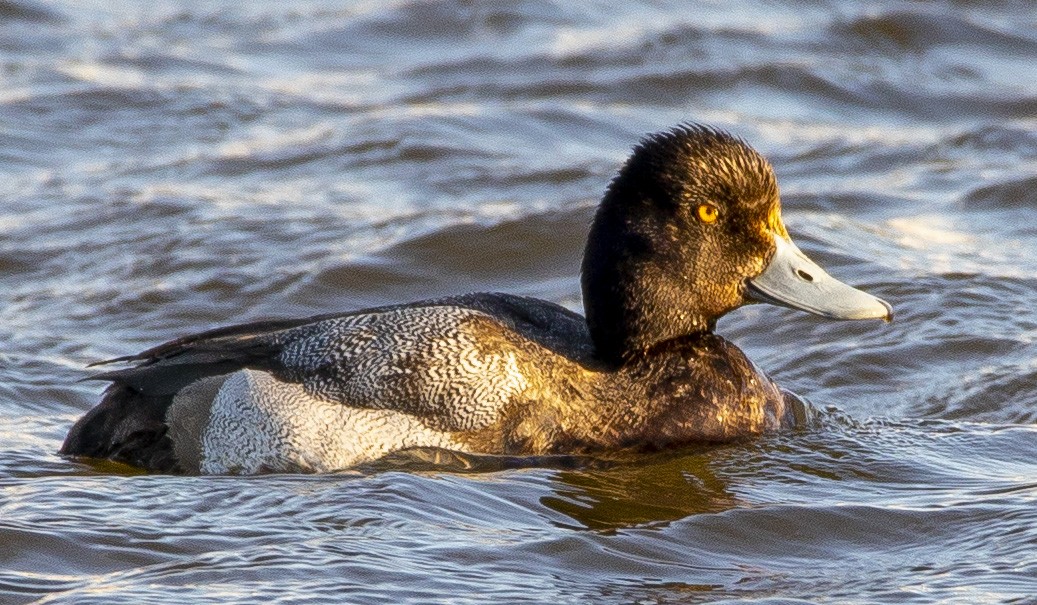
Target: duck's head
{"points": [[688, 230]]}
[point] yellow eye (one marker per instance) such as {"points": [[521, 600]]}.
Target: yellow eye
{"points": [[708, 213]]}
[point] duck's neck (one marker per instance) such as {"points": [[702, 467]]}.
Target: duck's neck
{"points": [[634, 296], [620, 337]]}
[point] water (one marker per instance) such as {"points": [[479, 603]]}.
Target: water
{"points": [[166, 167]]}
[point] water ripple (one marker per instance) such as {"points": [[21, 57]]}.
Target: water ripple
{"points": [[170, 167]]}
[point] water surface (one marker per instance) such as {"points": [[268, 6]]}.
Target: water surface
{"points": [[172, 166]]}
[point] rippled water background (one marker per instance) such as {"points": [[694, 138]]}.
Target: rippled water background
{"points": [[170, 166]]}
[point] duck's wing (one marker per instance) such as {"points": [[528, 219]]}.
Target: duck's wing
{"points": [[169, 367], [129, 423]]}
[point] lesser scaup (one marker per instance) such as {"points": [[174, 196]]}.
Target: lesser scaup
{"points": [[688, 230]]}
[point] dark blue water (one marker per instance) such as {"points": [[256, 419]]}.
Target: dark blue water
{"points": [[167, 167]]}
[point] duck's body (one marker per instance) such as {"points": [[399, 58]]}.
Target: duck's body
{"points": [[495, 373], [482, 373]]}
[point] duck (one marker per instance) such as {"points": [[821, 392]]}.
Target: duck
{"points": [[688, 230]]}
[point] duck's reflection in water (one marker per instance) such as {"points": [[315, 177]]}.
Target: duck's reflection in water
{"points": [[646, 492], [634, 490]]}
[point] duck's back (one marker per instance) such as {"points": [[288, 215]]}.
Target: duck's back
{"points": [[328, 391]]}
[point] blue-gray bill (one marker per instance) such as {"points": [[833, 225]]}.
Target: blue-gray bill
{"points": [[793, 280]]}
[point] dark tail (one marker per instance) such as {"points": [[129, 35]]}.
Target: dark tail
{"points": [[126, 426]]}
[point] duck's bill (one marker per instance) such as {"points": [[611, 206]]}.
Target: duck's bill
{"points": [[793, 280]]}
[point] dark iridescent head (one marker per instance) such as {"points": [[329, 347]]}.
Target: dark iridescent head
{"points": [[688, 230]]}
